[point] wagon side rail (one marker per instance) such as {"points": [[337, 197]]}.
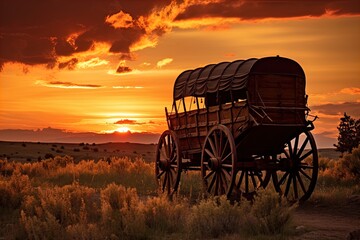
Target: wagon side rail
{"points": [[193, 126]]}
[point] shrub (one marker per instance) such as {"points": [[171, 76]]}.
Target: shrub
{"points": [[165, 217], [269, 214], [48, 155], [214, 217], [346, 168], [351, 163], [14, 189], [120, 212]]}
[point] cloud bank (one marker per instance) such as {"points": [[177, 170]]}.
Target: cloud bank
{"points": [[54, 32]]}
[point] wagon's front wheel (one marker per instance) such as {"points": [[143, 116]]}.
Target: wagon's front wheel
{"points": [[299, 166], [218, 161], [168, 162]]}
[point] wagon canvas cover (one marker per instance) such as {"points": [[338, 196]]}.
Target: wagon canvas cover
{"points": [[231, 76]]}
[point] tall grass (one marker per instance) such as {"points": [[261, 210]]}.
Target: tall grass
{"points": [[117, 199], [338, 179]]}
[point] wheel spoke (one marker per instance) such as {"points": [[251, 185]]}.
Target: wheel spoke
{"points": [[296, 146], [220, 144], [295, 187], [174, 165], [260, 180], [226, 174], [212, 148], [288, 185], [216, 143], [302, 147], [286, 154], [240, 180], [221, 182], [226, 145], [160, 174], [253, 180], [168, 183], [209, 175], [164, 182], [173, 160], [290, 149], [166, 149], [229, 154], [211, 183], [283, 178], [168, 143], [301, 182], [246, 181], [226, 165], [172, 151], [216, 185], [162, 154], [209, 153], [306, 155], [305, 174]]}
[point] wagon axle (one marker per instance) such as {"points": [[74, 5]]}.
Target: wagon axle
{"points": [[214, 163]]}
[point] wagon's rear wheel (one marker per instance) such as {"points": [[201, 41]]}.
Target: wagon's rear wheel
{"points": [[300, 171], [168, 162], [248, 181], [218, 160]]}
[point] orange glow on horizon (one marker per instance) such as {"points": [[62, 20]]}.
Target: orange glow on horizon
{"points": [[123, 130]]}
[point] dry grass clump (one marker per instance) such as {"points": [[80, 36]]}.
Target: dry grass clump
{"points": [[345, 168], [338, 179], [121, 213], [13, 190], [214, 217], [267, 215]]}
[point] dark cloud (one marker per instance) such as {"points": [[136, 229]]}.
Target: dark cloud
{"points": [[60, 84], [250, 9], [128, 122], [71, 64], [351, 108], [37, 32], [40, 31], [123, 69]]}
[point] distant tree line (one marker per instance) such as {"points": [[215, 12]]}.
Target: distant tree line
{"points": [[349, 134]]}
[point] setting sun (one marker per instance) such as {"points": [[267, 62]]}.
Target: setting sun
{"points": [[122, 129]]}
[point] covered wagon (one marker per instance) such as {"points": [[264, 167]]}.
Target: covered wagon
{"points": [[242, 124]]}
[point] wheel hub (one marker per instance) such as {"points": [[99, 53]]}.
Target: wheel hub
{"points": [[164, 164], [214, 163]]}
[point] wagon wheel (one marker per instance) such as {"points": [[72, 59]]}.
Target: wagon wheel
{"points": [[168, 162], [300, 158], [250, 179], [248, 182], [218, 160]]}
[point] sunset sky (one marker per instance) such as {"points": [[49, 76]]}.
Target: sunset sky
{"points": [[107, 65]]}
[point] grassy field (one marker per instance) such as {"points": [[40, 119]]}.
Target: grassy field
{"points": [[117, 198], [30, 151]]}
